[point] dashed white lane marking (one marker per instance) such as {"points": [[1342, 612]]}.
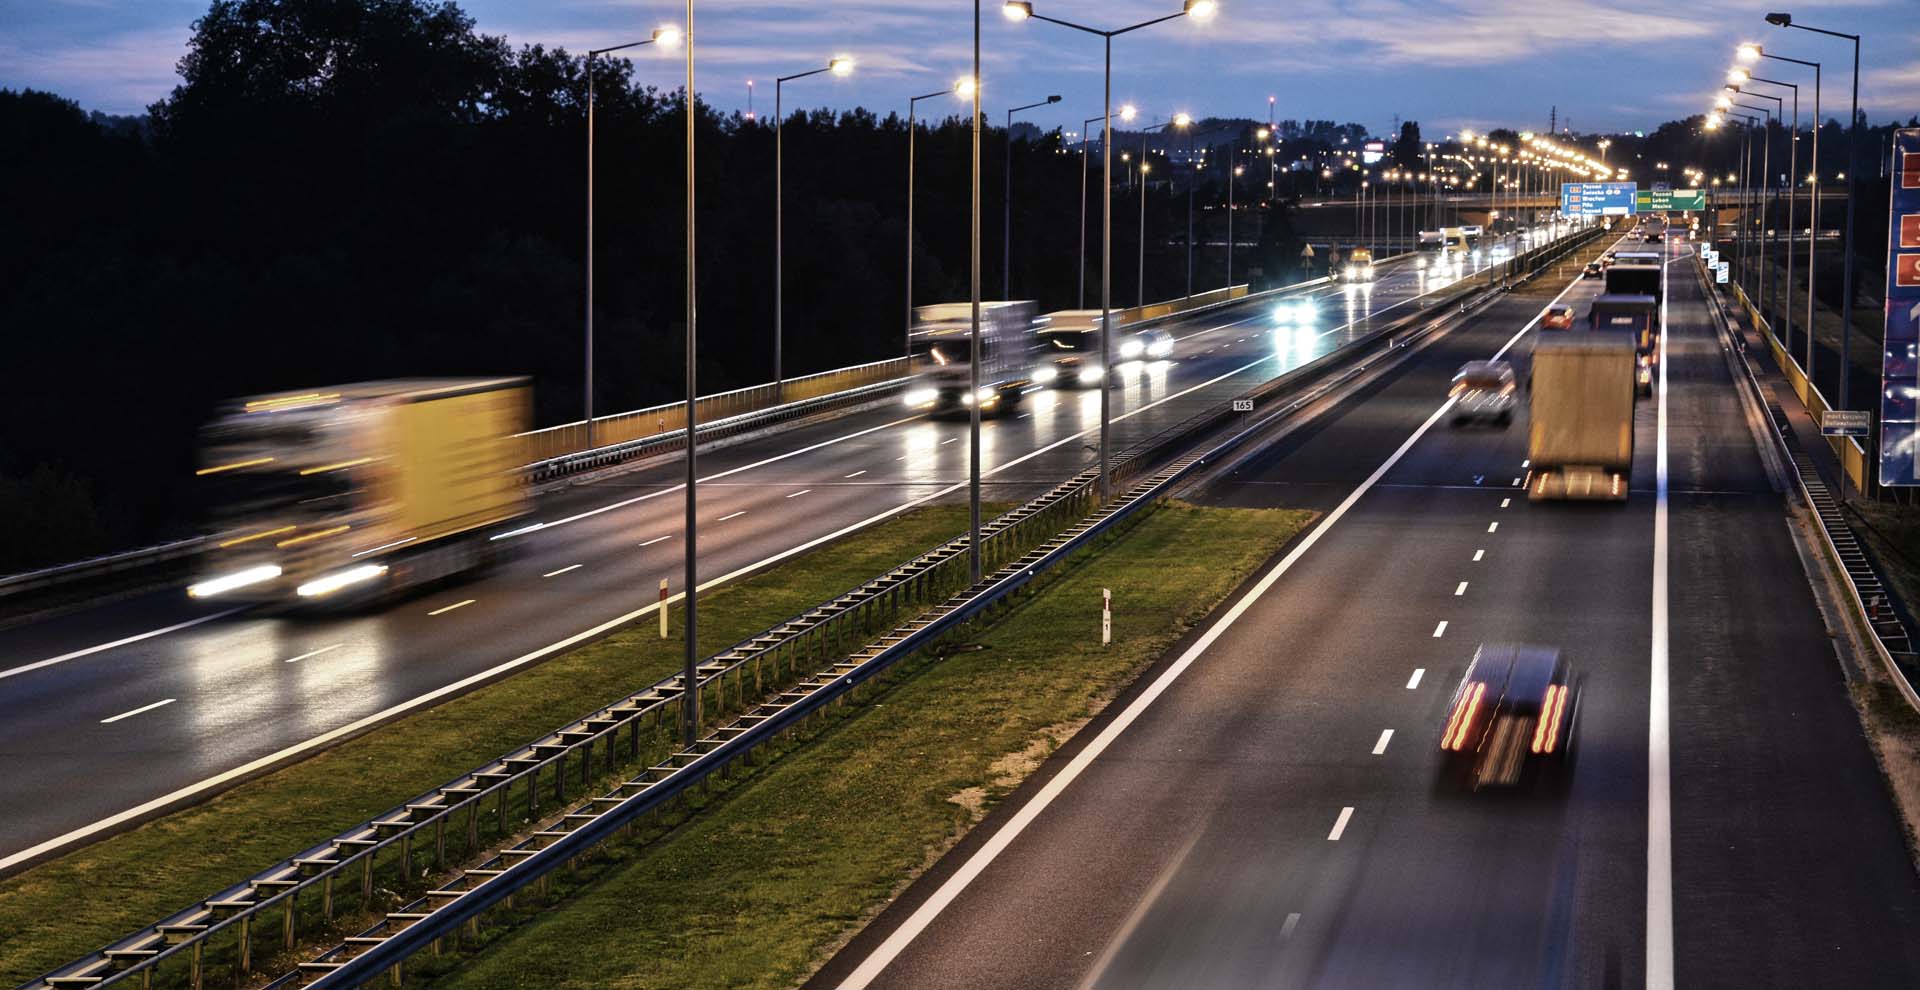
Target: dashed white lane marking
{"points": [[1340, 825], [858, 473], [1493, 527], [1414, 681], [1505, 502], [143, 708], [902, 457], [948, 440], [1386, 736], [450, 608], [137, 637], [1459, 590], [1516, 482], [799, 493], [1440, 630], [657, 539], [1478, 554], [732, 515], [1526, 462], [1287, 926], [310, 654], [563, 570]]}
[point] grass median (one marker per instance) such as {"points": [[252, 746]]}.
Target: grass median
{"points": [[67, 907], [780, 868]]}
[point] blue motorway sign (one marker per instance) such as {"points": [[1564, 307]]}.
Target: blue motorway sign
{"points": [[1899, 363], [1597, 199]]}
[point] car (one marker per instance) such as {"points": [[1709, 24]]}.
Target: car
{"points": [[1594, 270], [1511, 721], [1558, 316], [1483, 390], [1298, 312], [1153, 344]]}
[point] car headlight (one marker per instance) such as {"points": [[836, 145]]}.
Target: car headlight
{"points": [[1283, 313], [985, 393], [1045, 374], [1303, 311], [1160, 348], [1132, 347], [1089, 375]]}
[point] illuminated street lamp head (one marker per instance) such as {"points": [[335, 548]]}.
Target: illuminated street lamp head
{"points": [[1723, 102], [1182, 120], [963, 87], [1780, 20], [1016, 10], [1737, 76], [1748, 53], [841, 64], [1128, 111], [1200, 10], [1260, 135], [666, 36]]}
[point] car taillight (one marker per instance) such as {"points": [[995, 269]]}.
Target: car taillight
{"points": [[1546, 732], [1462, 721]]}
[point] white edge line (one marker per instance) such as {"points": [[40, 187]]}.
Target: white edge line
{"points": [[449, 608], [563, 570], [143, 708], [77, 654]]}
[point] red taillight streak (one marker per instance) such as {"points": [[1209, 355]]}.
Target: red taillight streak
{"points": [[1462, 720]]}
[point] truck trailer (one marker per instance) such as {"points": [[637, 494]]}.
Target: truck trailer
{"points": [[1580, 437], [344, 494]]}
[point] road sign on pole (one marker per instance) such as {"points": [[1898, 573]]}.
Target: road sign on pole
{"points": [[1846, 423], [1720, 273], [1597, 199]]}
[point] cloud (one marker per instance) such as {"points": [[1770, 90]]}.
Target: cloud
{"points": [[118, 73]]}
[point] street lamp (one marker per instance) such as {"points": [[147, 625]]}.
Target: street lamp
{"points": [[1020, 10], [1766, 189], [962, 88], [1853, 141], [1813, 210], [666, 37], [1140, 282], [839, 65], [690, 660], [1006, 226], [1793, 168], [1126, 114]]}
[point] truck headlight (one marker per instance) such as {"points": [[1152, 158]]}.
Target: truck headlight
{"points": [[229, 582], [920, 396], [1089, 375], [1045, 374], [340, 579], [1160, 348]]}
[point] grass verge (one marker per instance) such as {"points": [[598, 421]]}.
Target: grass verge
{"points": [[67, 907], [781, 867]]}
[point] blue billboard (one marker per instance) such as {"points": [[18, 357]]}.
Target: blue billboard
{"points": [[1597, 199], [1900, 358]]}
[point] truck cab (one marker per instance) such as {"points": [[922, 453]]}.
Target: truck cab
{"points": [[942, 358], [1358, 267]]}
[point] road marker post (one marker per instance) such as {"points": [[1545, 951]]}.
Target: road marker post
{"points": [[1106, 616], [663, 608]]}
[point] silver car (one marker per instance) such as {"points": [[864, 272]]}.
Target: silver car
{"points": [[1483, 390]]}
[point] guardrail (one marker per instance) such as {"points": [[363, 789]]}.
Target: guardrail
{"points": [[451, 822], [1892, 640]]}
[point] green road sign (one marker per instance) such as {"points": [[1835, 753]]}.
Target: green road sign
{"points": [[1669, 201]]}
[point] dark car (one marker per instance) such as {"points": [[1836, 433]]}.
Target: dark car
{"points": [[1511, 721], [1593, 270]]}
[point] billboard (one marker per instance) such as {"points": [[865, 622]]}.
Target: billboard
{"points": [[1900, 357], [1597, 199]]}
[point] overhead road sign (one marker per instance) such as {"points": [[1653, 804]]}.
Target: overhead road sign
{"points": [[1670, 200], [1597, 199], [1900, 356]]}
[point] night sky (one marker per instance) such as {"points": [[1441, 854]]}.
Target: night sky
{"points": [[1485, 63]]}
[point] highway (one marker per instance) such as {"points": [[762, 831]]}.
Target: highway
{"points": [[155, 701], [1262, 808]]}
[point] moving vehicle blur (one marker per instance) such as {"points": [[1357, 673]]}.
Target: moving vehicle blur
{"points": [[1638, 316], [1558, 316], [350, 492], [941, 357], [1067, 349], [1483, 390], [1358, 267], [1580, 435], [1511, 721]]}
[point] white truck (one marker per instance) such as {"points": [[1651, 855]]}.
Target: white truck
{"points": [[940, 346]]}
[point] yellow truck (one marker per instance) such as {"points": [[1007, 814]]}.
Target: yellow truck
{"points": [[342, 494], [1580, 436]]}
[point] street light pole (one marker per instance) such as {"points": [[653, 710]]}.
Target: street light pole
{"points": [[839, 65], [1006, 225], [691, 562], [1019, 10], [1793, 185], [1082, 270], [912, 131]]}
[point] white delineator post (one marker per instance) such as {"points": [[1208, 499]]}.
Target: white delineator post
{"points": [[663, 608], [1106, 616]]}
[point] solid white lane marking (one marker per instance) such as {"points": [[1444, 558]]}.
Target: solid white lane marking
{"points": [[1493, 527], [1461, 589], [1440, 630], [858, 473], [91, 650], [733, 515], [1340, 825], [450, 608], [657, 539], [1386, 736], [799, 493], [314, 653], [563, 570], [1478, 554], [1414, 681], [143, 708], [1505, 502], [1659, 974], [1287, 926]]}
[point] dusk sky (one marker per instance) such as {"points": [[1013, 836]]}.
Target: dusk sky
{"points": [[1485, 63]]}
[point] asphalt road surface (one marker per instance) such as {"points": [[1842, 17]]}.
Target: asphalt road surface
{"points": [[1262, 809], [112, 712]]}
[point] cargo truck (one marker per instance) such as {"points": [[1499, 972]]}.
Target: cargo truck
{"points": [[1635, 273], [940, 347], [344, 494], [1580, 437], [1639, 316]]}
